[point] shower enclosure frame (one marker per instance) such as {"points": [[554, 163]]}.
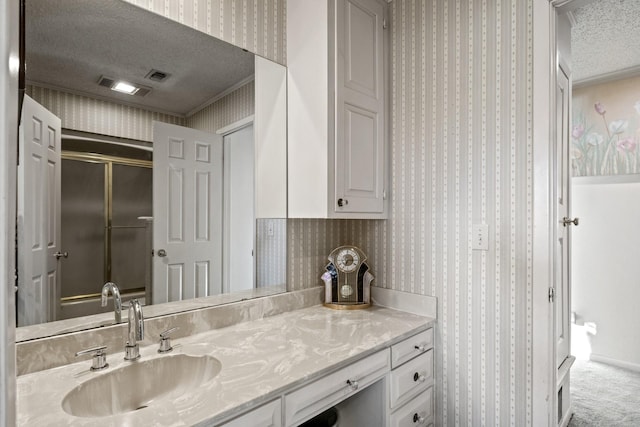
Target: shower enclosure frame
{"points": [[109, 161]]}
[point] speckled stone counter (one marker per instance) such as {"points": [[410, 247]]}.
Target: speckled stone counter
{"points": [[260, 360]]}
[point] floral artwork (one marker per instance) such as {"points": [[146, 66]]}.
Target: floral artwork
{"points": [[605, 142]]}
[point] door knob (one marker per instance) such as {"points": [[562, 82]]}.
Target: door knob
{"points": [[162, 253], [59, 255], [568, 221]]}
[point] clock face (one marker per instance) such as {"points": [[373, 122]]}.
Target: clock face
{"points": [[347, 260]]}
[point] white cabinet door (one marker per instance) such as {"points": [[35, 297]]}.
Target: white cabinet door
{"points": [[187, 208], [337, 137], [38, 214], [360, 101]]}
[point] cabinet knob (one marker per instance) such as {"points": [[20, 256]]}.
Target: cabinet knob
{"points": [[162, 253], [417, 418], [568, 221], [342, 202], [421, 347], [353, 384], [418, 377]]}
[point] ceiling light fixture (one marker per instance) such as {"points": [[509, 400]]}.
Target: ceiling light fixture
{"points": [[124, 87]]}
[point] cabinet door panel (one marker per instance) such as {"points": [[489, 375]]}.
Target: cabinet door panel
{"points": [[418, 412], [360, 123], [411, 347], [411, 379]]}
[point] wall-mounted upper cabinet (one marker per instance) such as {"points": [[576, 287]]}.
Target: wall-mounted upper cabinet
{"points": [[337, 108]]}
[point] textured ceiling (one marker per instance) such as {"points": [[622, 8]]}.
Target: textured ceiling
{"points": [[606, 38], [71, 43]]}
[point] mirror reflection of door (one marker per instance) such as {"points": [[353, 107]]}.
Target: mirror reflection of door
{"points": [[187, 204], [38, 214]]}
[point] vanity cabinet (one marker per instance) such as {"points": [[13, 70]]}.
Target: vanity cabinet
{"points": [[337, 121], [320, 395], [411, 381]]}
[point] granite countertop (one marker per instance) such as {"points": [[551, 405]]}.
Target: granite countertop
{"points": [[260, 360]]}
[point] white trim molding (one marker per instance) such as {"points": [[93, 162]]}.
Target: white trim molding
{"points": [[543, 371], [9, 19], [236, 126]]}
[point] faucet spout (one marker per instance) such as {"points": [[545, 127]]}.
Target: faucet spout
{"points": [[136, 330], [117, 301]]}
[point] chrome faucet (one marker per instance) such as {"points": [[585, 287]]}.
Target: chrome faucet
{"points": [[117, 301], [136, 331]]}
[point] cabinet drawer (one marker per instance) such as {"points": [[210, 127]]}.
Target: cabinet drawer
{"points": [[333, 388], [411, 378], [268, 415], [418, 412], [411, 347]]}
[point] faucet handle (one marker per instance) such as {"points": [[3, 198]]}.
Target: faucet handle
{"points": [[99, 360], [165, 340]]}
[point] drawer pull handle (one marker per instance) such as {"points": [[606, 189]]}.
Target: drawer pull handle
{"points": [[419, 377], [353, 384], [421, 347], [418, 418]]}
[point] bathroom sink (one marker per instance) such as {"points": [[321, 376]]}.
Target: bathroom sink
{"points": [[138, 384]]}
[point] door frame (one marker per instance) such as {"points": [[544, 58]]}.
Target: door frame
{"points": [[544, 370], [9, 52], [226, 238]]}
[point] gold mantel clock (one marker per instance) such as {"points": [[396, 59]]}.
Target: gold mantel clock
{"points": [[347, 279]]}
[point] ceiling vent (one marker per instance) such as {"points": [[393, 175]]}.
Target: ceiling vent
{"points": [[112, 83], [157, 75], [106, 81]]}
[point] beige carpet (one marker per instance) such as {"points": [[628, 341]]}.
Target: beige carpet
{"points": [[604, 395]]}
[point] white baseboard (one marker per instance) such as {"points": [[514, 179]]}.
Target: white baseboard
{"points": [[615, 362], [422, 305]]}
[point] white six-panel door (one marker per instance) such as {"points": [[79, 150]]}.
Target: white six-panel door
{"points": [[38, 214], [187, 209]]}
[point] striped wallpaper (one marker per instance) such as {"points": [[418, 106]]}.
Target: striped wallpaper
{"points": [[461, 154], [229, 109], [309, 242], [86, 114], [255, 25], [271, 256]]}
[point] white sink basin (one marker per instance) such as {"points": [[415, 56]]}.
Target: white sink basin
{"points": [[135, 385]]}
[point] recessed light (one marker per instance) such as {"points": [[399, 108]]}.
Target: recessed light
{"points": [[125, 87]]}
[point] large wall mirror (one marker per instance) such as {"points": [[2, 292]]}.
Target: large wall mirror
{"points": [[167, 175]]}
